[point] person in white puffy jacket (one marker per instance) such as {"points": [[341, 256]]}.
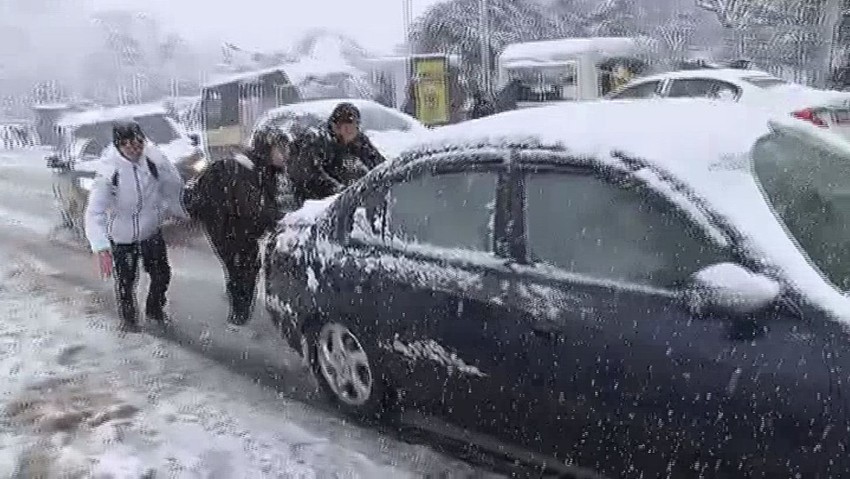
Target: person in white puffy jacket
{"points": [[135, 190]]}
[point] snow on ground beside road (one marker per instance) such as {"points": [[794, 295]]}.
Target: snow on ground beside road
{"points": [[82, 400]]}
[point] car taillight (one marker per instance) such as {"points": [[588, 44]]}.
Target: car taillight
{"points": [[809, 115]]}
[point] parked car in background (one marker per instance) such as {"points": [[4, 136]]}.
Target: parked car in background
{"points": [[824, 108], [82, 138], [639, 300], [390, 130]]}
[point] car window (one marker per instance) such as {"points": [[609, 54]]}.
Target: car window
{"points": [[808, 187], [641, 90], [703, 88], [450, 210], [765, 81], [379, 119], [585, 225]]}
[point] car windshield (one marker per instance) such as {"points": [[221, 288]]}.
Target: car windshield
{"points": [[808, 187], [373, 119], [156, 127]]}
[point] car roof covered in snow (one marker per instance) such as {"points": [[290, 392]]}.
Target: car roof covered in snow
{"points": [[323, 109], [688, 127], [101, 115], [702, 143]]}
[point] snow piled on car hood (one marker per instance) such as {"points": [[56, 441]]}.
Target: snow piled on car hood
{"points": [[704, 143]]}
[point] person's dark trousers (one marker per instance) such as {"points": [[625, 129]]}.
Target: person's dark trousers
{"points": [[241, 261], [154, 256]]}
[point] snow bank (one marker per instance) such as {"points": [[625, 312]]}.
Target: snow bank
{"points": [[81, 400], [703, 143]]}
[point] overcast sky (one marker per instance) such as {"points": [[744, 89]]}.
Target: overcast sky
{"points": [[269, 24]]}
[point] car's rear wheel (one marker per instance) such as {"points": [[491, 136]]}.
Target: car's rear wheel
{"points": [[348, 369]]}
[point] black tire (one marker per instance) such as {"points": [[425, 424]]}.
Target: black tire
{"points": [[380, 405]]}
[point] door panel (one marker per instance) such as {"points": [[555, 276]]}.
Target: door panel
{"points": [[420, 261], [622, 378]]}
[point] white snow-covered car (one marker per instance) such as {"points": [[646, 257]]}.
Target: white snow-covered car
{"points": [[825, 108], [660, 297], [390, 130], [83, 136]]}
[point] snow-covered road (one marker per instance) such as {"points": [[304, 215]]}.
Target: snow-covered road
{"points": [[198, 401]]}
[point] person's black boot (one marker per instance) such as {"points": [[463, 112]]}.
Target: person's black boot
{"points": [[129, 320], [155, 311], [238, 317]]}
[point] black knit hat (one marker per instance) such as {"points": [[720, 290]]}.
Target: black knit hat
{"points": [[126, 130], [345, 113], [268, 137]]}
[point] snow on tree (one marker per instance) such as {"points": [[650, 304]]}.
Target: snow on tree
{"points": [[452, 27], [617, 18], [676, 36]]}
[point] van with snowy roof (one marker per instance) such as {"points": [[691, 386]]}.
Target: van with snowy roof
{"points": [[569, 69]]}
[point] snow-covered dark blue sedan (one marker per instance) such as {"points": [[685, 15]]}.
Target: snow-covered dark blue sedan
{"points": [[614, 289]]}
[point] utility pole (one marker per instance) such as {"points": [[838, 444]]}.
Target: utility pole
{"points": [[484, 38], [407, 14], [830, 21]]}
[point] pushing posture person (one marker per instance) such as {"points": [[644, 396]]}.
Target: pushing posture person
{"points": [[135, 190], [236, 201]]}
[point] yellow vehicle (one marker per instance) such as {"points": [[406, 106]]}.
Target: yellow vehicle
{"points": [[231, 105], [425, 86]]}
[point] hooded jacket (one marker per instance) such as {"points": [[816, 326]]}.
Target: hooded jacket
{"points": [[236, 199], [322, 166], [129, 200]]}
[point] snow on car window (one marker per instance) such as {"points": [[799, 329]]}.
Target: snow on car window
{"points": [[379, 119], [448, 211], [373, 118], [585, 225]]}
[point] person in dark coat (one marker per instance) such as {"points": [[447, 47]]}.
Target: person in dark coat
{"points": [[327, 160], [481, 106], [235, 200]]}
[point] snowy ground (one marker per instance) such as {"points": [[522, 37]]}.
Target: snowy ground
{"points": [[84, 400]]}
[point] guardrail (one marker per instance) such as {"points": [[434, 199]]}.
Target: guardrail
{"points": [[18, 135]]}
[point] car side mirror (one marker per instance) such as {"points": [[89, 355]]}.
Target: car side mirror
{"points": [[730, 289], [194, 139]]}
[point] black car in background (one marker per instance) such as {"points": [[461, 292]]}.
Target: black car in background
{"points": [[590, 311]]}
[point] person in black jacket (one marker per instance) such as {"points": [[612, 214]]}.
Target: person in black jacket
{"points": [[325, 161], [235, 200]]}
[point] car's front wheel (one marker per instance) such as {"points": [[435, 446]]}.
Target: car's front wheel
{"points": [[348, 369]]}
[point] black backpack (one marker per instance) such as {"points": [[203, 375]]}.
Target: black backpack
{"points": [[151, 166]]}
